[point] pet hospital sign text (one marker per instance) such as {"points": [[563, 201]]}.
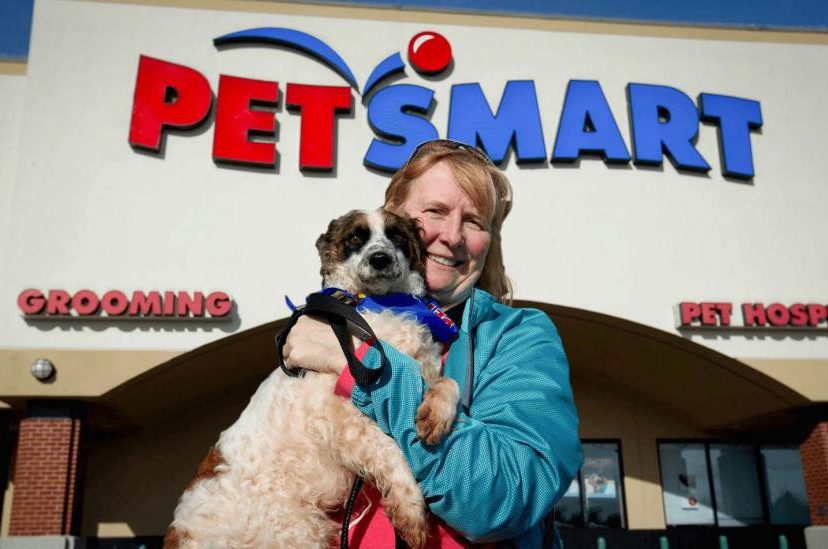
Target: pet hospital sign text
{"points": [[714, 315]]}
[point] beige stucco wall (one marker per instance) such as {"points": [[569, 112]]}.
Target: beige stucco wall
{"points": [[807, 377], [81, 374], [608, 411]]}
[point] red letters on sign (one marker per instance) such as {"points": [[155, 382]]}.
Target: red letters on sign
{"points": [[58, 303], [754, 314], [187, 305], [114, 303], [707, 313], [816, 314], [85, 302], [236, 121], [31, 302], [219, 304], [689, 312], [319, 105], [145, 304], [166, 96]]}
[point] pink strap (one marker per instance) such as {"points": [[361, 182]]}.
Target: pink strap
{"points": [[345, 383], [373, 530]]}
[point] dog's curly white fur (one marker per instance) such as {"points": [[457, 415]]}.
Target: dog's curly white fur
{"points": [[291, 457]]}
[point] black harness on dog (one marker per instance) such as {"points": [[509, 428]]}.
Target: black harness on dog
{"points": [[338, 309]]}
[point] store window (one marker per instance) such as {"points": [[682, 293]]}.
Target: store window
{"points": [[595, 498], [732, 484], [785, 485], [736, 484], [684, 478]]}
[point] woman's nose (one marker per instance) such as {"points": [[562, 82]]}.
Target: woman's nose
{"points": [[452, 232]]}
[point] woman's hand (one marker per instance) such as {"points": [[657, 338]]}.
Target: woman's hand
{"points": [[312, 345]]}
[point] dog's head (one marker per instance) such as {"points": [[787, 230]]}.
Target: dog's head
{"points": [[373, 252]]}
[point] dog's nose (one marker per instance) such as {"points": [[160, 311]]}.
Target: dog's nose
{"points": [[379, 260]]}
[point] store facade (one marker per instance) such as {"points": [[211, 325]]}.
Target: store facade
{"points": [[165, 168]]}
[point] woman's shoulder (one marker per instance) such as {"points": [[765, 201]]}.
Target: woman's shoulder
{"points": [[491, 311]]}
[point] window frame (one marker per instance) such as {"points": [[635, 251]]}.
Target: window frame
{"points": [[761, 477], [622, 491]]}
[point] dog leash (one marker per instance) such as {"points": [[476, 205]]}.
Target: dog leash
{"points": [[344, 321]]}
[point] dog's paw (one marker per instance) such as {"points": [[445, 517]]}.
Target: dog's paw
{"points": [[410, 521], [436, 413]]}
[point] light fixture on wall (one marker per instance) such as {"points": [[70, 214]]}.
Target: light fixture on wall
{"points": [[43, 369]]}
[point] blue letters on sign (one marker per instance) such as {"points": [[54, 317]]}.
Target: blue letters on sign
{"points": [[587, 126], [735, 117], [664, 121], [389, 118], [517, 122]]}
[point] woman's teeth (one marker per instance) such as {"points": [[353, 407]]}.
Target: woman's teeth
{"points": [[444, 261]]}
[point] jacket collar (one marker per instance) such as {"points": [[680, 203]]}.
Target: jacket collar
{"points": [[477, 305]]}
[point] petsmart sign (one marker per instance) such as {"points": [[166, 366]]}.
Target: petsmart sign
{"points": [[664, 120]]}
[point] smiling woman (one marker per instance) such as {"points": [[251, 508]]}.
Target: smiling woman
{"points": [[514, 448], [454, 232], [460, 200]]}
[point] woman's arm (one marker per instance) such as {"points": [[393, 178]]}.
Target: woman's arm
{"points": [[503, 467]]}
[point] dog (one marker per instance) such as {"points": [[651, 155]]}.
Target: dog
{"points": [[291, 458]]}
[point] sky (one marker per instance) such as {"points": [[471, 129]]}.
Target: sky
{"points": [[805, 15]]}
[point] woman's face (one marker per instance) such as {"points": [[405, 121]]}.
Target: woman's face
{"points": [[455, 234]]}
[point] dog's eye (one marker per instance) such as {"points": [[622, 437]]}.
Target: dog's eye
{"points": [[396, 237], [355, 240]]}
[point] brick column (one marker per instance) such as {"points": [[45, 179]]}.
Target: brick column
{"points": [[46, 471], [814, 453]]}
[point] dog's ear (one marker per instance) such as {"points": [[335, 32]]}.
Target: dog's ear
{"points": [[325, 240], [415, 246], [328, 244], [325, 244]]}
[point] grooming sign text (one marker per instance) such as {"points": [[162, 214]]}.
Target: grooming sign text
{"points": [[115, 304]]}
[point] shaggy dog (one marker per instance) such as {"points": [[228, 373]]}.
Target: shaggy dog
{"points": [[290, 459]]}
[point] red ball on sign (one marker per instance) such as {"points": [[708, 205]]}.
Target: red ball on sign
{"points": [[429, 52]]}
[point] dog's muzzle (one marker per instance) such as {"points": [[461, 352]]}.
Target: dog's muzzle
{"points": [[381, 262]]}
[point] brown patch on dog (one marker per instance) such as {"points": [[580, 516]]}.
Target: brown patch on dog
{"points": [[346, 233], [173, 538], [405, 234], [207, 467]]}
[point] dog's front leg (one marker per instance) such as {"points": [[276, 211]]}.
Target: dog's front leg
{"points": [[362, 448], [437, 411]]}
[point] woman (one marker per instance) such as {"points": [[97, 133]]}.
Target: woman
{"points": [[514, 448]]}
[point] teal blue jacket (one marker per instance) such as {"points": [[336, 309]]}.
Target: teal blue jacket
{"points": [[514, 448]]}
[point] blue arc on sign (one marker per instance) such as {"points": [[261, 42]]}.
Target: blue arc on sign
{"points": [[390, 65], [301, 41]]}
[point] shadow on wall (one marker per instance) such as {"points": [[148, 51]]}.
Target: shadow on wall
{"points": [[136, 479]]}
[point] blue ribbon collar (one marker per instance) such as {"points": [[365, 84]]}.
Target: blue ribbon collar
{"points": [[423, 309]]}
